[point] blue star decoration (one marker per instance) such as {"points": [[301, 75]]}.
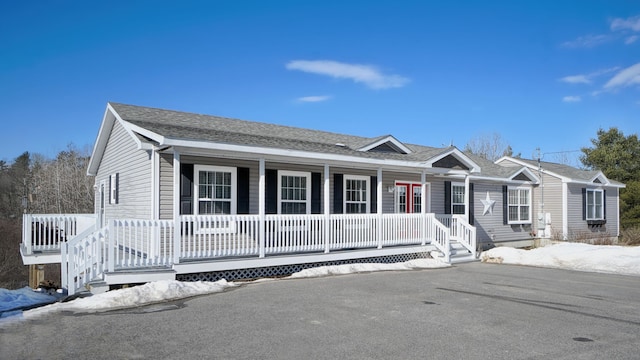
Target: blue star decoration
{"points": [[488, 205]]}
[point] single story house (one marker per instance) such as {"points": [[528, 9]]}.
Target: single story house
{"points": [[182, 195]]}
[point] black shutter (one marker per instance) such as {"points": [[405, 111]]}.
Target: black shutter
{"points": [[117, 194], [337, 193], [471, 205], [316, 193], [243, 190], [447, 197], [505, 205], [271, 191], [186, 189], [584, 203], [374, 194], [604, 204]]}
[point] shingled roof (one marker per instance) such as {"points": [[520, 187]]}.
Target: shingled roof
{"points": [[197, 127]]}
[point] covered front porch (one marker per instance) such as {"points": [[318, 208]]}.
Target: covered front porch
{"points": [[130, 251]]}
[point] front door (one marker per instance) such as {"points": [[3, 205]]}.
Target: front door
{"points": [[409, 197]]}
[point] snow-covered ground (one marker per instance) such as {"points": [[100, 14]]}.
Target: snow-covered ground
{"points": [[608, 259], [623, 260]]}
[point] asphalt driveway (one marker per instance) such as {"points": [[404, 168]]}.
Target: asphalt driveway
{"points": [[469, 311]]}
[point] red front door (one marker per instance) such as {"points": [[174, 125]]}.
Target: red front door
{"points": [[408, 198]]}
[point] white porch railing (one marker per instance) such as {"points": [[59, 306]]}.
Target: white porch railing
{"points": [[139, 244], [460, 230], [46, 232], [83, 259]]}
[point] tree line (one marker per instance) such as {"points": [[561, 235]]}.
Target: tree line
{"points": [[33, 183]]}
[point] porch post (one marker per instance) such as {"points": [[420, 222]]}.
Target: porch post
{"points": [[466, 198], [327, 209], [379, 208], [423, 205], [177, 235], [261, 208]]}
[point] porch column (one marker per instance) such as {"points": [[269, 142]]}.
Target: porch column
{"points": [[327, 209], [466, 197], [261, 207], [423, 192], [177, 236], [379, 207]]}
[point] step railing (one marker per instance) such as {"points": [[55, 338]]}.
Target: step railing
{"points": [[463, 233], [83, 259], [135, 243]]}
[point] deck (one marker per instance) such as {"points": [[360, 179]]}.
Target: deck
{"points": [[134, 250]]}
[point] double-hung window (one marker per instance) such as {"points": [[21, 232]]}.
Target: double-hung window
{"points": [[215, 188], [294, 192], [356, 194], [457, 198], [519, 205], [595, 204]]}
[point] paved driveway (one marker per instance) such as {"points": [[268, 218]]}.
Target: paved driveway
{"points": [[470, 311]]}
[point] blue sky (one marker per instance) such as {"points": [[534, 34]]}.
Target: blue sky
{"points": [[543, 74]]}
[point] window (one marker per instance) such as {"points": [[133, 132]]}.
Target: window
{"points": [[595, 205], [215, 188], [294, 192], [113, 188], [356, 198], [457, 198], [519, 205], [417, 199]]}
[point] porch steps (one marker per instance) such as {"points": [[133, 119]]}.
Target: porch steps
{"points": [[135, 276], [459, 254]]}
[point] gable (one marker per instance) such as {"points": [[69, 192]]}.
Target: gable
{"points": [[387, 144], [387, 147], [450, 162], [522, 176]]}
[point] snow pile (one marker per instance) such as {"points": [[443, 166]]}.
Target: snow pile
{"points": [[358, 268], [149, 293], [623, 260]]}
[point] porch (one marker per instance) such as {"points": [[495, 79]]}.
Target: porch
{"points": [[130, 251]]}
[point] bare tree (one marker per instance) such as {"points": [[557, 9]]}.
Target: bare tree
{"points": [[489, 146]]}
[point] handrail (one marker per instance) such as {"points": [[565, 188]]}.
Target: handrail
{"points": [[441, 236], [83, 259], [464, 233], [46, 232]]}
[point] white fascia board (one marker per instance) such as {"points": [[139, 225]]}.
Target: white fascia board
{"points": [[288, 153], [529, 173], [591, 183], [603, 179], [502, 180], [459, 155], [101, 140], [132, 129], [390, 139], [534, 167]]}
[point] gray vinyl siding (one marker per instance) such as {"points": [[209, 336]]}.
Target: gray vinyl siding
{"points": [[166, 186], [388, 179], [133, 166], [577, 227], [490, 228], [552, 194]]}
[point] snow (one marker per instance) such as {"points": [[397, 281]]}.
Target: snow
{"points": [[358, 268], [608, 259], [624, 260]]}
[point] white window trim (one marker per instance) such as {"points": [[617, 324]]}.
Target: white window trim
{"points": [[113, 190], [519, 222], [460, 184], [196, 184], [228, 226], [586, 204], [305, 174], [367, 179]]}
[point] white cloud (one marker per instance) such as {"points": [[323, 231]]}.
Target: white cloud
{"points": [[587, 78], [315, 98], [587, 41], [571, 99], [366, 74], [576, 79], [631, 39], [631, 23], [624, 77]]}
